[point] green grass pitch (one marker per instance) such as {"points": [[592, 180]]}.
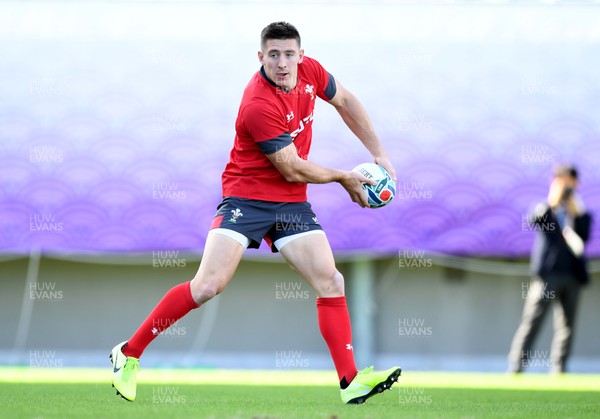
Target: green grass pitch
{"points": [[86, 393]]}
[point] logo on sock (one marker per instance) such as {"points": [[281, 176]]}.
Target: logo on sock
{"points": [[349, 346], [167, 327]]}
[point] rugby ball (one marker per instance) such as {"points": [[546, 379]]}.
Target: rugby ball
{"points": [[383, 192]]}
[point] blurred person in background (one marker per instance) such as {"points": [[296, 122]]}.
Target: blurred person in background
{"points": [[558, 265]]}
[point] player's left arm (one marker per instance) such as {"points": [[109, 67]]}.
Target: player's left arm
{"points": [[356, 118]]}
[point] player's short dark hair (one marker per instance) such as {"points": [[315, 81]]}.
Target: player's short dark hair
{"points": [[567, 170], [279, 30]]}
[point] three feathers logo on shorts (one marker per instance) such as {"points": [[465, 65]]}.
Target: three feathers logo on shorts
{"points": [[235, 214]]}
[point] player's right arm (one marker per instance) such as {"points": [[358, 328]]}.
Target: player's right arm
{"points": [[295, 169], [262, 121]]}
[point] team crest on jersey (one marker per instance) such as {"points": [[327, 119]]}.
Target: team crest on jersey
{"points": [[290, 116], [309, 90], [235, 214]]}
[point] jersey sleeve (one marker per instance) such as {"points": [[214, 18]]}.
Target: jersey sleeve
{"points": [[326, 88], [266, 127]]}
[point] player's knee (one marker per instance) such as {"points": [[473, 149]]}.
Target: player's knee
{"points": [[332, 285], [204, 288], [337, 281], [205, 293]]}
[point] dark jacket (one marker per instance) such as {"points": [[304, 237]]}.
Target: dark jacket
{"points": [[550, 250]]}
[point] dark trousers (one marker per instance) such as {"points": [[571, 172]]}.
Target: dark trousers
{"points": [[561, 291]]}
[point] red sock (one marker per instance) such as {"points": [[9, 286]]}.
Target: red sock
{"points": [[334, 323], [176, 303]]}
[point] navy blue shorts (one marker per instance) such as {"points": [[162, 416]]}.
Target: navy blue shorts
{"points": [[276, 222]]}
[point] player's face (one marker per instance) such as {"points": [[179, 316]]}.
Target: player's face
{"points": [[280, 58]]}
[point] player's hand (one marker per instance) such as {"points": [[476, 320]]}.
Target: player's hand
{"points": [[387, 165], [352, 182]]}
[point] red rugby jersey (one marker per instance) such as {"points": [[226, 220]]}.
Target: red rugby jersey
{"points": [[268, 120]]}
